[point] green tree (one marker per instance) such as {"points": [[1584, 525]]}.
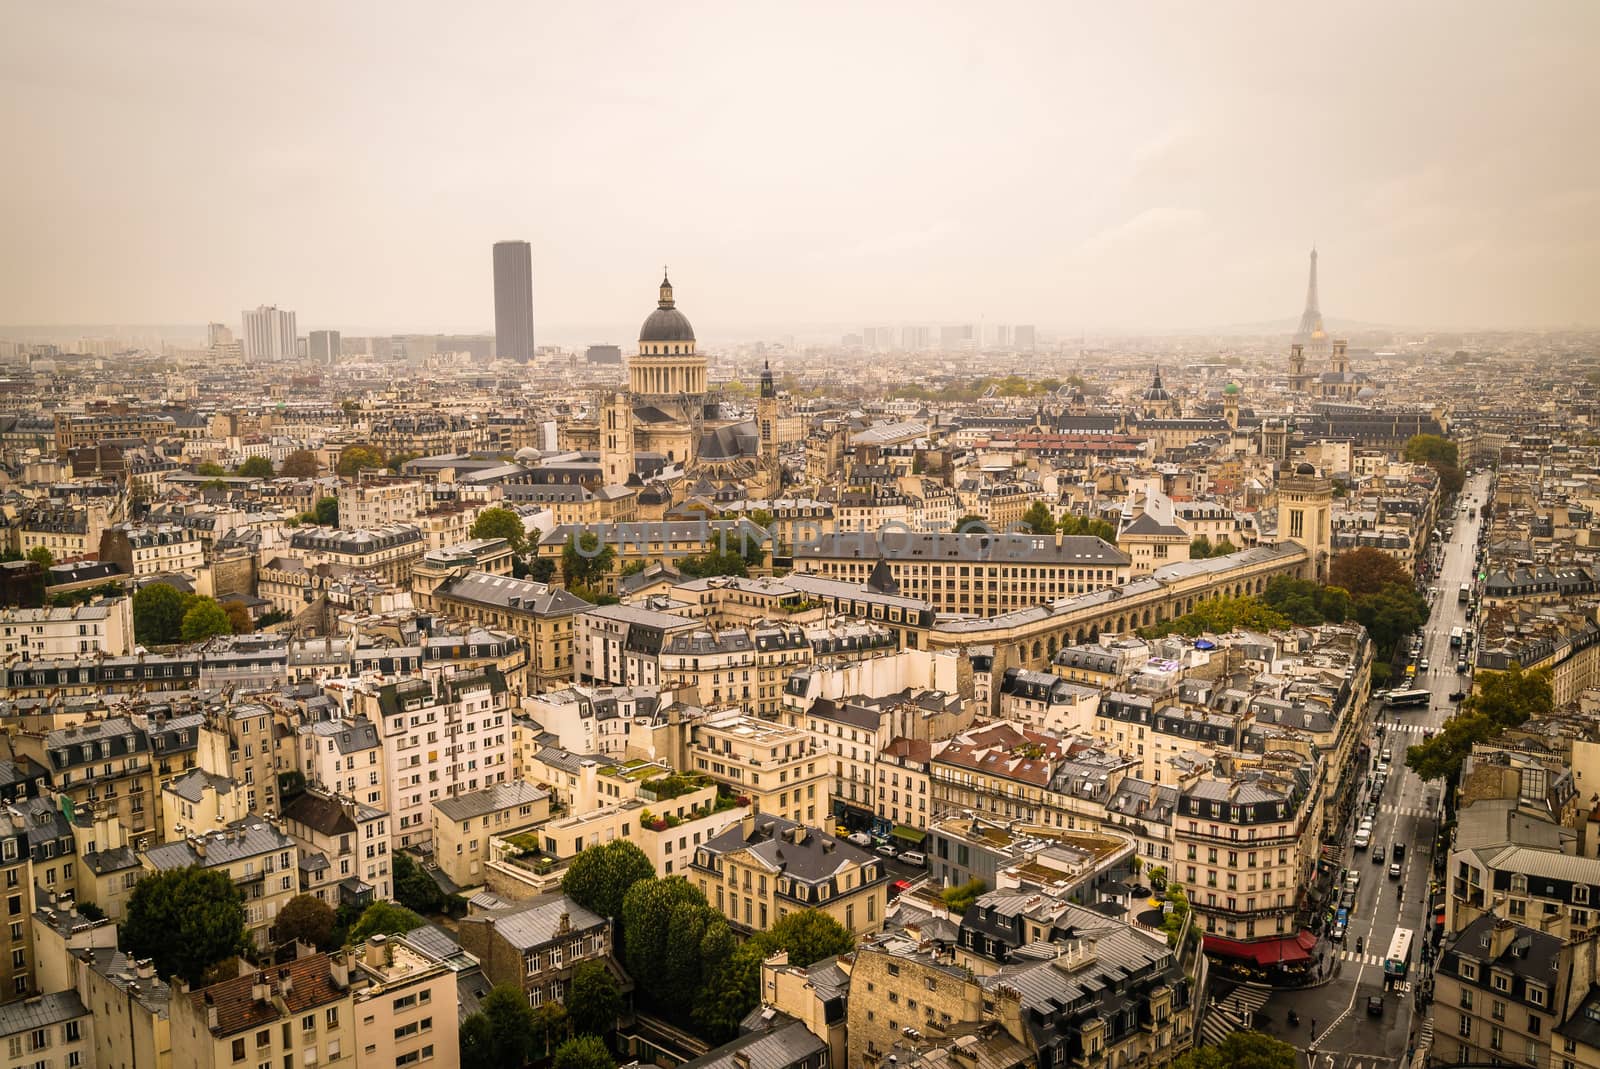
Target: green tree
{"points": [[185, 919], [1199, 547], [203, 619], [584, 1052], [506, 1037], [599, 878], [256, 468], [413, 887], [1039, 519], [211, 469], [594, 1001], [1431, 449], [663, 922], [400, 460], [1366, 571], [326, 511], [1218, 616], [308, 919], [501, 523], [1223, 547], [355, 458], [809, 935], [729, 985], [1241, 1050], [301, 464], [1502, 700], [1389, 615], [542, 569], [386, 918], [157, 614], [712, 562], [971, 523], [585, 561], [41, 556]]}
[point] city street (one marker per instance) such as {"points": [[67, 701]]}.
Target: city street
{"points": [[1407, 815]]}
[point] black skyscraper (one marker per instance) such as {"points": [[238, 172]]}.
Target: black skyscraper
{"points": [[513, 300]]}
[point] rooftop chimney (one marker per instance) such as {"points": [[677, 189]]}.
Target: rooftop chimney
{"points": [[378, 951]]}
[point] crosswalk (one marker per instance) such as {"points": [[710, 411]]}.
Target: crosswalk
{"points": [[1361, 959], [1425, 1035], [1406, 810], [1407, 727], [1233, 1013]]}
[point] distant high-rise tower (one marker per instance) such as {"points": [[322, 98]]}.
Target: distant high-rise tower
{"points": [[513, 300], [269, 334], [322, 347], [1023, 337], [1312, 334], [218, 335]]}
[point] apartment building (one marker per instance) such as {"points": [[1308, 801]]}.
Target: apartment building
{"points": [[1502, 991], [778, 769], [345, 756], [300, 1014], [536, 945], [1046, 702], [441, 737], [543, 616], [386, 553], [592, 720], [368, 503], [258, 856], [895, 985], [133, 1023], [464, 824], [971, 574], [407, 1009], [106, 626], [16, 963], [49, 1030], [745, 667], [240, 741], [98, 761], [343, 848], [766, 867], [153, 550], [1247, 848], [621, 644]]}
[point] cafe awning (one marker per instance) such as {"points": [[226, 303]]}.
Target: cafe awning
{"points": [[1285, 950], [910, 835]]}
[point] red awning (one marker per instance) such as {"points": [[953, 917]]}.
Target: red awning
{"points": [[1281, 951]]}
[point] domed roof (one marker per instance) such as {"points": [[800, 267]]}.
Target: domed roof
{"points": [[1232, 387], [666, 323], [1156, 391], [1304, 469]]}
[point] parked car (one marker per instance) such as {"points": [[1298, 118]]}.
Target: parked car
{"points": [[887, 851], [899, 887], [1461, 667], [1363, 839], [1336, 933], [861, 839], [914, 858]]}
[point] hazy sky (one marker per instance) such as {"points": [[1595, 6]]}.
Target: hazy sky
{"points": [[1073, 165]]}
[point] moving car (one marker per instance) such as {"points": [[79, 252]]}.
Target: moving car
{"points": [[1461, 668], [1337, 933], [1394, 870], [1377, 856], [898, 888], [1399, 851], [1422, 665], [1374, 1005], [914, 858]]}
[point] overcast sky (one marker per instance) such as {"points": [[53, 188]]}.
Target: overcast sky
{"points": [[1076, 165]]}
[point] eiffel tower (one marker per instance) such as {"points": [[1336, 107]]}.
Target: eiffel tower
{"points": [[1312, 334]]}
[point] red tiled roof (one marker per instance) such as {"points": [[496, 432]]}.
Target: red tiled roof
{"points": [[310, 983]]}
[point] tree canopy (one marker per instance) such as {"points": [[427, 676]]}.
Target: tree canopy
{"points": [[809, 935], [1366, 571], [584, 1052], [503, 1033], [326, 511], [413, 887], [308, 919], [210, 468], [301, 464], [585, 561], [256, 468], [41, 556], [1039, 519], [1501, 700], [355, 458], [1241, 1050], [158, 612], [186, 920], [501, 523], [1441, 455], [593, 1000], [600, 876], [203, 619], [1218, 616], [386, 918]]}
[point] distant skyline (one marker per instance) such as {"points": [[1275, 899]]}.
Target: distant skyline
{"points": [[1083, 167]]}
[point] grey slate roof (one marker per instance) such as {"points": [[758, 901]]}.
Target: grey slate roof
{"points": [[489, 800], [536, 922], [41, 1012]]}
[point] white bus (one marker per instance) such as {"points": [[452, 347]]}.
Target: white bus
{"points": [[1398, 960], [1407, 697]]}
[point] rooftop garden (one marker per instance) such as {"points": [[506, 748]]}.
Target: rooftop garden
{"points": [[674, 785], [721, 803]]}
